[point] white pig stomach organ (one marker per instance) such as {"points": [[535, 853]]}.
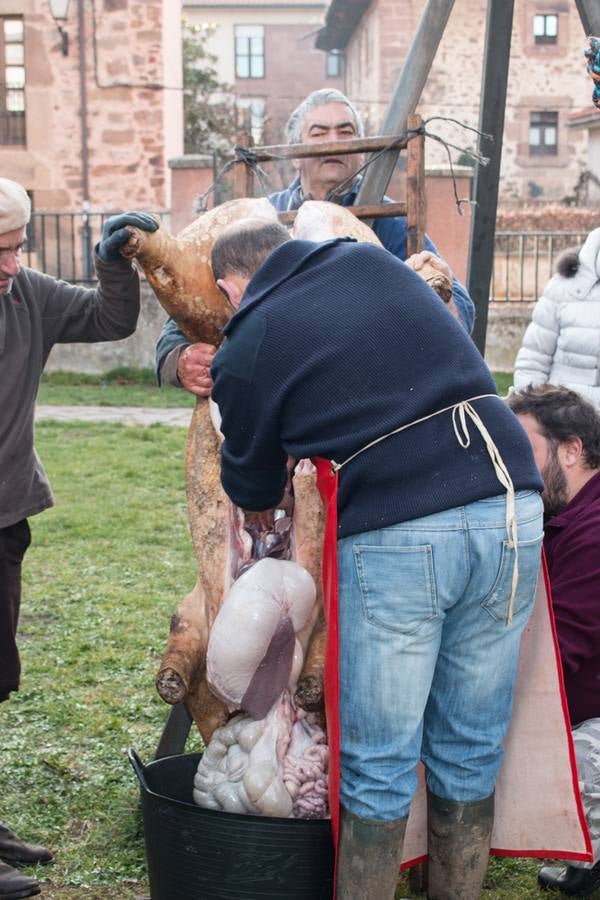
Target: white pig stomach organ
{"points": [[272, 758]]}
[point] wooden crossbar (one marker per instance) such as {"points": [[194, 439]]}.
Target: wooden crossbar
{"points": [[328, 148]]}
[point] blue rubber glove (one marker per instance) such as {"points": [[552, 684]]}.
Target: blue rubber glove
{"points": [[115, 235]]}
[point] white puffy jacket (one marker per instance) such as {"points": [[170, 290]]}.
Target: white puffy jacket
{"points": [[562, 341]]}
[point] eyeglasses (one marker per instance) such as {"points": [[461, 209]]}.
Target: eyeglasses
{"points": [[6, 253]]}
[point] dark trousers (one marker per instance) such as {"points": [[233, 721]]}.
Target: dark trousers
{"points": [[14, 541]]}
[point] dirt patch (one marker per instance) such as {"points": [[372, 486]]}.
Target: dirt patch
{"points": [[134, 890]]}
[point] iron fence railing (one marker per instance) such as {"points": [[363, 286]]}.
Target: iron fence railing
{"points": [[62, 244], [525, 261]]}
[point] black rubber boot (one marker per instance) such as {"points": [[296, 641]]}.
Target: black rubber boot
{"points": [[14, 885], [17, 853], [570, 880], [458, 838], [369, 855]]}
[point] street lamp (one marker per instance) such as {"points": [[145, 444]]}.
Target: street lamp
{"points": [[60, 13]]}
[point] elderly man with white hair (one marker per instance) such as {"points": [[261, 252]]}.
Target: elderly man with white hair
{"points": [[325, 115], [36, 312]]}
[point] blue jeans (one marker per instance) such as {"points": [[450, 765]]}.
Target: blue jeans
{"points": [[427, 660]]}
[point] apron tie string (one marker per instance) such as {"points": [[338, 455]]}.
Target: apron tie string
{"points": [[462, 412]]}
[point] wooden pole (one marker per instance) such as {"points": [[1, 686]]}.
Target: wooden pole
{"points": [[415, 188], [491, 121], [327, 148], [589, 13], [407, 92], [243, 177]]}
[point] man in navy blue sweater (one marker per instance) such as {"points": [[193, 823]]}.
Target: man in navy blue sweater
{"points": [[438, 497], [325, 115]]}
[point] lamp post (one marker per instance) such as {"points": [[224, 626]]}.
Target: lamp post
{"points": [[60, 13]]}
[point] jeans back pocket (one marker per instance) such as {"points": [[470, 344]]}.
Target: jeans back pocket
{"points": [[397, 586], [497, 601]]}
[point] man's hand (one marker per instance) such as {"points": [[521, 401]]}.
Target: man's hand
{"points": [[418, 260], [193, 369], [426, 264], [115, 234]]}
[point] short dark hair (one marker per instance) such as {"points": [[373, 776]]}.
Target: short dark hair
{"points": [[562, 414], [241, 250]]}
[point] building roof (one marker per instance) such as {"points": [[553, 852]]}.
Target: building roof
{"points": [[342, 18], [254, 4], [586, 117]]}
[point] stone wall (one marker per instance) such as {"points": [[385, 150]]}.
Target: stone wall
{"points": [[137, 350], [506, 324], [132, 91]]}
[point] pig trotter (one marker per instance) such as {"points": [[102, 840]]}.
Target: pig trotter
{"points": [[309, 693], [171, 686]]}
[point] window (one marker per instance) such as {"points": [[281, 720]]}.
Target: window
{"points": [[254, 109], [249, 51], [545, 29], [12, 81], [543, 133], [334, 64]]}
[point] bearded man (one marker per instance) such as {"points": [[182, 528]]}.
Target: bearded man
{"points": [[564, 430]]}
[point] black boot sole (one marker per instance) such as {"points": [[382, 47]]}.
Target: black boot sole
{"points": [[559, 889], [20, 895]]}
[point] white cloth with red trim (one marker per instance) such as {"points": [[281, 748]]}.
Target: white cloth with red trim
{"points": [[539, 812]]}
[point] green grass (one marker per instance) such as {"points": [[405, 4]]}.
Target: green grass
{"points": [[503, 381], [134, 387], [107, 566], [119, 387]]}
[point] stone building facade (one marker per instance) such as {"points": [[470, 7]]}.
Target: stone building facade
{"points": [[119, 69], [266, 52], [543, 156]]}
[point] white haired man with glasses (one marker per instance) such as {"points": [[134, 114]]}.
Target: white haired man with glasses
{"points": [[36, 312]]}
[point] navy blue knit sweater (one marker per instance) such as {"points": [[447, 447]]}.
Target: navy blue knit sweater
{"points": [[335, 344]]}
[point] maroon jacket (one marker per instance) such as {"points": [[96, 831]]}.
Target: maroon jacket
{"points": [[572, 545]]}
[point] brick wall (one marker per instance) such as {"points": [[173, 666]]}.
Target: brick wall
{"points": [[132, 126], [293, 68], [542, 78]]}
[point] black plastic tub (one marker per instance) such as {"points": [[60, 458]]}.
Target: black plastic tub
{"points": [[200, 854]]}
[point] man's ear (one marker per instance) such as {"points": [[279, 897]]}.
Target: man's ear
{"points": [[570, 453], [296, 164], [232, 290]]}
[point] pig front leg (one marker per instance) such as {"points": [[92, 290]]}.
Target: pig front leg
{"points": [[309, 693], [185, 653]]}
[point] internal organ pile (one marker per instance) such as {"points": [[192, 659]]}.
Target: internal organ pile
{"points": [[276, 766], [253, 649], [272, 759]]}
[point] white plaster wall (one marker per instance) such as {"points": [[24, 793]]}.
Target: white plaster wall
{"points": [[224, 20]]}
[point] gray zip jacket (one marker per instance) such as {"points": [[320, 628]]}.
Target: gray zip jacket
{"points": [[38, 313]]}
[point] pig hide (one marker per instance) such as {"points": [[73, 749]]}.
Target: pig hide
{"points": [[178, 269]]}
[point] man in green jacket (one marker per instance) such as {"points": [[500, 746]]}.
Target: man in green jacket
{"points": [[36, 312]]}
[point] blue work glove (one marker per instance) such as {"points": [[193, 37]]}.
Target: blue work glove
{"points": [[115, 235]]}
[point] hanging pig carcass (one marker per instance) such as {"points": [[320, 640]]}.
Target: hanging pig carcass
{"points": [[280, 666], [178, 269]]}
